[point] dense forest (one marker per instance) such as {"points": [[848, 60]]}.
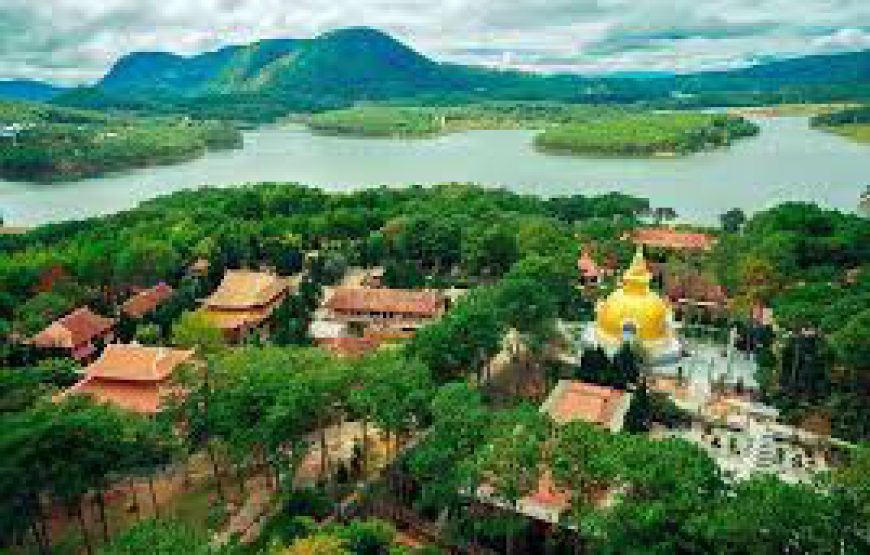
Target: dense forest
{"points": [[47, 143], [646, 134]]}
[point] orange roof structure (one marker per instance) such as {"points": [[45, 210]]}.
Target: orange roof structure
{"points": [[245, 289], [668, 238], [79, 327], [762, 314], [245, 298], [133, 377], [139, 363], [427, 304], [574, 400], [147, 300], [135, 397], [587, 265]]}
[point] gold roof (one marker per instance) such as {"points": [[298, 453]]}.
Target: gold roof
{"points": [[634, 305], [245, 289]]}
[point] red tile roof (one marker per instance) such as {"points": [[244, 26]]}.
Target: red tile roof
{"points": [[549, 494], [132, 377], [137, 362], [574, 400], [672, 239], [587, 265], [398, 301], [147, 301], [73, 330]]}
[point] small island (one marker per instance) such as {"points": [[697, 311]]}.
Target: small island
{"points": [[431, 121], [48, 143], [646, 135], [852, 123]]}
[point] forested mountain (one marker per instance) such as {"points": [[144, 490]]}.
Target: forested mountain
{"points": [[346, 64], [25, 89]]}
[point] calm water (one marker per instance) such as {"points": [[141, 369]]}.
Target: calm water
{"points": [[788, 161]]}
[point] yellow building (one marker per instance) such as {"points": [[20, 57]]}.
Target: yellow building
{"points": [[635, 313]]}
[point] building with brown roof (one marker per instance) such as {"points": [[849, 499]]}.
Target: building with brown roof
{"points": [[396, 309], [244, 301], [133, 377], [590, 272], [668, 238], [574, 400], [77, 333], [694, 289], [146, 301]]}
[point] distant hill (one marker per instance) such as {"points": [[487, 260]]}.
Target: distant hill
{"points": [[354, 62], [820, 69], [268, 78], [25, 89]]}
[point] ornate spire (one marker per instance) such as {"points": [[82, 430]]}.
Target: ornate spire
{"points": [[636, 279]]}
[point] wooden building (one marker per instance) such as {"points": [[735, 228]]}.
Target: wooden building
{"points": [[381, 308], [672, 239], [133, 377], [243, 303], [573, 400], [78, 334], [146, 301]]}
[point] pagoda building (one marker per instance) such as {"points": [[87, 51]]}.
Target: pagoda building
{"points": [[634, 313], [243, 303], [133, 377]]}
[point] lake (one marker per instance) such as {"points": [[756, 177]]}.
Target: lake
{"points": [[788, 161]]}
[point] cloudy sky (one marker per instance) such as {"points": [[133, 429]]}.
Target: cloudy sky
{"points": [[75, 41]]}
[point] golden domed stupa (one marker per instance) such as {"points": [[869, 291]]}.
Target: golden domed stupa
{"points": [[635, 313]]}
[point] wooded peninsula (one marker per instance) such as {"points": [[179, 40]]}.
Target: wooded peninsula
{"points": [[47, 143]]}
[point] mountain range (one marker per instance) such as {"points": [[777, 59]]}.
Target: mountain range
{"points": [[354, 64], [26, 89]]}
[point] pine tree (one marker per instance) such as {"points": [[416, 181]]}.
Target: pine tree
{"points": [[640, 414]]}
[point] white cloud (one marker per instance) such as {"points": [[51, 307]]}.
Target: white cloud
{"points": [[77, 40]]}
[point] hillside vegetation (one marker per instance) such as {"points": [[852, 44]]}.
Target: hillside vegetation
{"points": [[853, 123], [646, 134], [46, 143]]}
